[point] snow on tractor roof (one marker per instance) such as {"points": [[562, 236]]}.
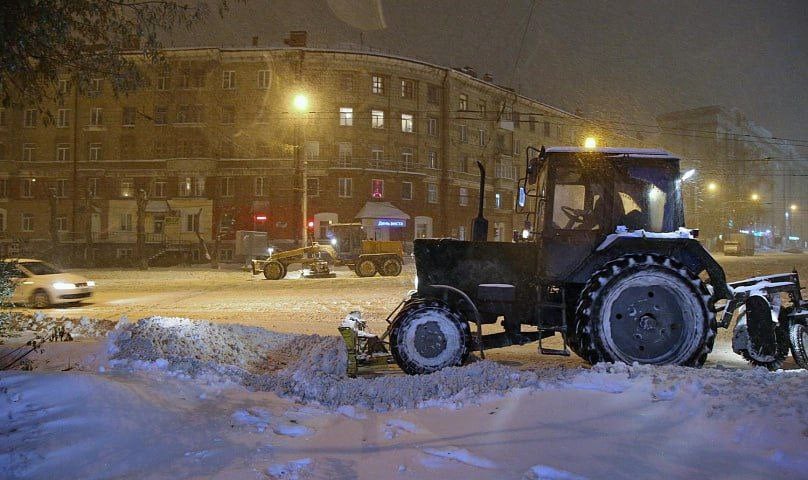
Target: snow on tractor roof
{"points": [[645, 152]]}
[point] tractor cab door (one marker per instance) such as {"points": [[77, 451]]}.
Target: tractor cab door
{"points": [[348, 241], [576, 215]]}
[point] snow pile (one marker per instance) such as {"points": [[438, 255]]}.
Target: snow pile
{"points": [[17, 322]]}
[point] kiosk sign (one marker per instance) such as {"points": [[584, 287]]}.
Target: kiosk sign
{"points": [[389, 222]]}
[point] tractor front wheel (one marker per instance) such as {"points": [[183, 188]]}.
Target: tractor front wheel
{"points": [[391, 267], [274, 270], [646, 309], [427, 336], [365, 268]]}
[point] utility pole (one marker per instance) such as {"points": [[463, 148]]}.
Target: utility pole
{"points": [[142, 201], [300, 161]]}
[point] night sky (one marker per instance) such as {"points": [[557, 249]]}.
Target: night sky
{"points": [[626, 60]]}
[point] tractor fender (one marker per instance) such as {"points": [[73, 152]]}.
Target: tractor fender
{"points": [[686, 251]]}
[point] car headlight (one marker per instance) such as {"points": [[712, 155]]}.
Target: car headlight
{"points": [[90, 283], [63, 285]]}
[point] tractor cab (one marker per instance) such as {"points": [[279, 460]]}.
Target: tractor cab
{"points": [[573, 198], [346, 238]]}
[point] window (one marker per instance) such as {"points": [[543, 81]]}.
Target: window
{"points": [[60, 188], [345, 187], [482, 137], [481, 109], [377, 118], [376, 157], [464, 196], [497, 200], [126, 222], [346, 82], [159, 189], [160, 115], [96, 116], [185, 186], [258, 188], [263, 79], [517, 146], [228, 80], [432, 159], [504, 169], [407, 162], [433, 94], [345, 154], [61, 224], [127, 188], [27, 188], [407, 89], [62, 152], [463, 104], [228, 186], [27, 222], [406, 123], [463, 163], [432, 126], [64, 86], [92, 187], [377, 188], [377, 85], [346, 116], [199, 187], [29, 120], [432, 192], [95, 152], [163, 82], [3, 188], [128, 117], [191, 223], [313, 187], [63, 118], [463, 133], [190, 114], [95, 85], [461, 232], [28, 152], [228, 115], [406, 190]]}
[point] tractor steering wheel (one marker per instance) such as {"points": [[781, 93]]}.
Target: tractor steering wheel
{"points": [[575, 215]]}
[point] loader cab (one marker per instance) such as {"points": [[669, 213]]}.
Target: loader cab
{"points": [[572, 198]]}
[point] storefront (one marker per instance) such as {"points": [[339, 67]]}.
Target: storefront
{"points": [[383, 221]]}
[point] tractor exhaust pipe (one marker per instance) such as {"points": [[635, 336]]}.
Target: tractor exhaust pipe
{"points": [[479, 230]]}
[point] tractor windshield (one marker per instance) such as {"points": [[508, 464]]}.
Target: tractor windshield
{"points": [[647, 197]]}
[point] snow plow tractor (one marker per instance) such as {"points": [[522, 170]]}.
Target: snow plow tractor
{"points": [[348, 248], [603, 260]]}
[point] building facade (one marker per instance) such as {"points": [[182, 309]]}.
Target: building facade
{"points": [[216, 143]]}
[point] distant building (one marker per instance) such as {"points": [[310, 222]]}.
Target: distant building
{"points": [[745, 178], [212, 140]]}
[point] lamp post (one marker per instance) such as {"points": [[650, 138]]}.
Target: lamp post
{"points": [[300, 103]]}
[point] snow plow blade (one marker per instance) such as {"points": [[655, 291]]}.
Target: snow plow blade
{"points": [[763, 333], [365, 350]]}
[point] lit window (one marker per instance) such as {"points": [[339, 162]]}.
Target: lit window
{"points": [[377, 188], [406, 123], [432, 192], [377, 118], [432, 159], [497, 200], [263, 79], [464, 102], [228, 80], [432, 126], [346, 116], [345, 187], [96, 117], [464, 196], [407, 89], [127, 188], [377, 85]]}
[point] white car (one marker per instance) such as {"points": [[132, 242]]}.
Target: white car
{"points": [[41, 285]]}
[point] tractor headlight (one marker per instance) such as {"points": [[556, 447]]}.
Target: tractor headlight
{"points": [[526, 234], [334, 242], [63, 285], [270, 251]]}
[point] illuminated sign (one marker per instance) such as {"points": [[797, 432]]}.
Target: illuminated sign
{"points": [[260, 218], [385, 222]]}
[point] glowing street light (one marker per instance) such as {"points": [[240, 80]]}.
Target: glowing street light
{"points": [[793, 207], [300, 102], [590, 143], [755, 197], [712, 187]]}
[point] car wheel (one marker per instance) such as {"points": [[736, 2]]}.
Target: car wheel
{"points": [[40, 299]]}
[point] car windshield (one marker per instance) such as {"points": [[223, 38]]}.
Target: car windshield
{"points": [[40, 268]]}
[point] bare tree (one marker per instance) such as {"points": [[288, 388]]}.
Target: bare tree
{"points": [[43, 39]]}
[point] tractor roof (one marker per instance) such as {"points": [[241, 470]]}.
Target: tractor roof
{"points": [[638, 152]]}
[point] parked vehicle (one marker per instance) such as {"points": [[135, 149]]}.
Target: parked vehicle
{"points": [[40, 285], [741, 244]]}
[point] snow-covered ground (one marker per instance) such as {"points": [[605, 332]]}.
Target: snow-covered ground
{"points": [[247, 396], [175, 398]]}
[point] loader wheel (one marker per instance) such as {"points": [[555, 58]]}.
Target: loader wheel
{"points": [[645, 309], [274, 270], [365, 268], [390, 267], [427, 336], [771, 353], [799, 344]]}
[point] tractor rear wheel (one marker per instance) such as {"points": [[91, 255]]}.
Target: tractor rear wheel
{"points": [[390, 267], [799, 344], [646, 309], [274, 270], [427, 336], [365, 268]]}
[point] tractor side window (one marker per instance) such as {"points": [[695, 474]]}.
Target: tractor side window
{"points": [[568, 198], [577, 202]]}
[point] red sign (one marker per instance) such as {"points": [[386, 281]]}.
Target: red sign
{"points": [[260, 218]]}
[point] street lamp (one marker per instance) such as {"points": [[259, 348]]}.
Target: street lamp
{"points": [[793, 207], [590, 143], [755, 197], [712, 187], [300, 104]]}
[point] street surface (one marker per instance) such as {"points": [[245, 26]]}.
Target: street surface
{"points": [[301, 305]]}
